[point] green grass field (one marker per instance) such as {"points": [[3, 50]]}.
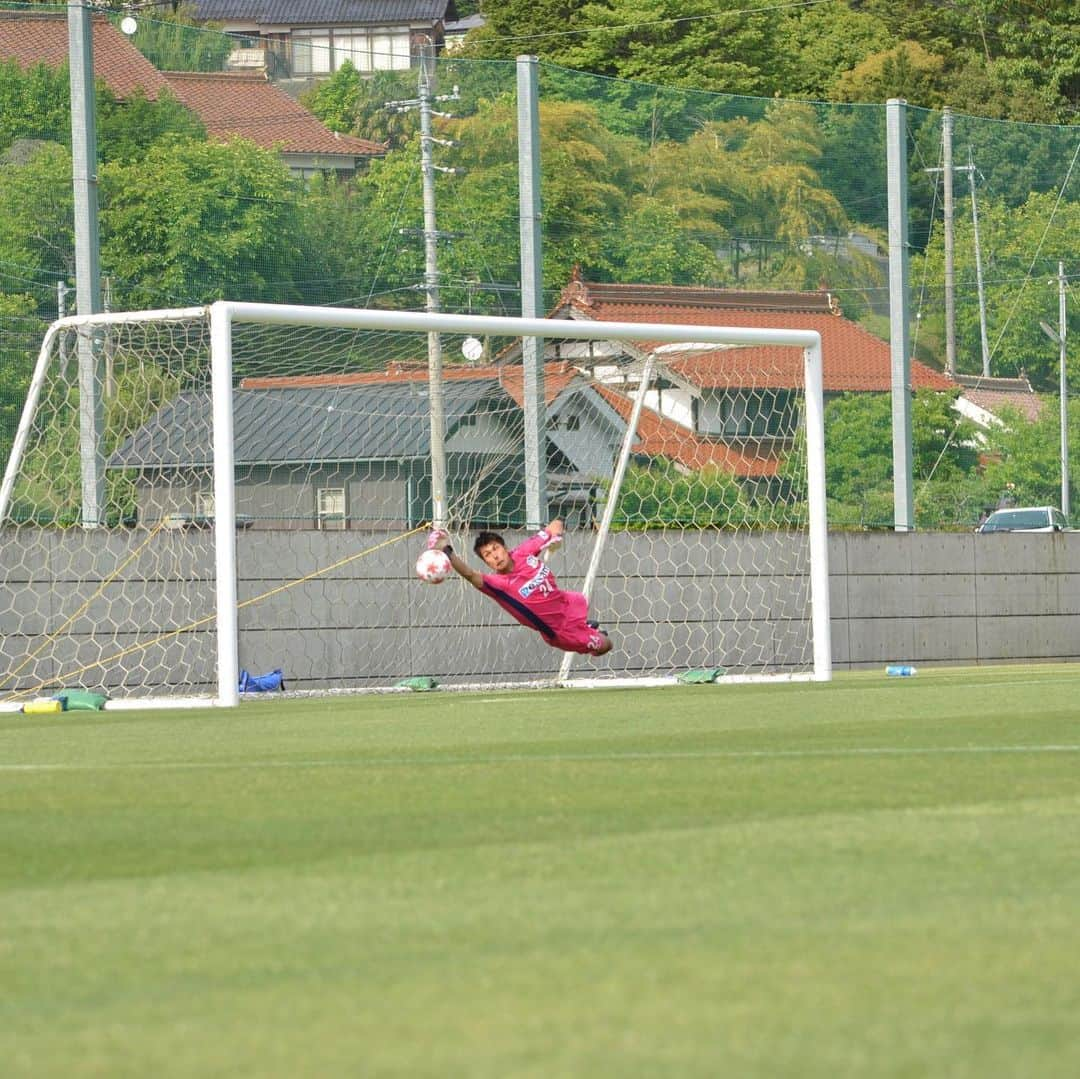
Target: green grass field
{"points": [[872, 877]]}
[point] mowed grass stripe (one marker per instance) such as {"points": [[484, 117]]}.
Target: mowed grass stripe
{"points": [[520, 758], [861, 878]]}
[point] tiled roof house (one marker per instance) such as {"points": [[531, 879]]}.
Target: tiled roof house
{"points": [[246, 105], [309, 39], [984, 399], [229, 104], [360, 443], [735, 407], [854, 360], [41, 37]]}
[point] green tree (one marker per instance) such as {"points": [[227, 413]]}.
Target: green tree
{"points": [[1024, 457], [587, 185], [517, 26], [704, 44], [334, 100], [127, 130], [1019, 292], [824, 41], [743, 183], [34, 104], [659, 495], [587, 178], [37, 215], [1001, 89], [193, 222], [907, 71], [175, 41], [858, 461], [656, 249], [1038, 44], [20, 330]]}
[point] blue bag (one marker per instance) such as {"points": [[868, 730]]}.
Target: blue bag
{"points": [[261, 683]]}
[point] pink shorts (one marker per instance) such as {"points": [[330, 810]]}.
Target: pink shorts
{"points": [[574, 635], [583, 639]]}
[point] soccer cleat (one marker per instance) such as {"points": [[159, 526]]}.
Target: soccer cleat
{"points": [[591, 624], [436, 536]]}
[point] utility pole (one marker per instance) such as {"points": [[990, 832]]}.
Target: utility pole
{"points": [[950, 265], [969, 168], [1059, 339], [949, 214], [61, 312], [947, 171], [436, 405]]}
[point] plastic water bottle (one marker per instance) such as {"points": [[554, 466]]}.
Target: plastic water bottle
{"points": [[900, 670]]}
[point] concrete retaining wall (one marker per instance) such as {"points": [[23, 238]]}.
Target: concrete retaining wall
{"points": [[925, 598], [936, 597]]}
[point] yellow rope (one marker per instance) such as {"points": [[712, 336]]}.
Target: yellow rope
{"points": [[329, 569], [101, 588], [211, 617]]}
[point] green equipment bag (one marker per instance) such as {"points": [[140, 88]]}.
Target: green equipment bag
{"points": [[81, 700]]}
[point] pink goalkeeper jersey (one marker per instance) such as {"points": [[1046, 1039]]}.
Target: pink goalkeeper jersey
{"points": [[531, 594]]}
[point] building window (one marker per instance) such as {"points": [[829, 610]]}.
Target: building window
{"points": [[330, 508], [320, 52], [311, 52], [385, 49], [749, 414], [734, 415]]}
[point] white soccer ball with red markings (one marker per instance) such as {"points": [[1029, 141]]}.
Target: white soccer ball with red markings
{"points": [[433, 567]]}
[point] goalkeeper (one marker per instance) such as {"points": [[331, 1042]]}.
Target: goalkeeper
{"points": [[522, 584]]}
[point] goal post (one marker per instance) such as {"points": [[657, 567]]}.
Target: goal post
{"points": [[245, 434]]}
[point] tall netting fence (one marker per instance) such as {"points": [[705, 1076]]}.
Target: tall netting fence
{"points": [[641, 185]]}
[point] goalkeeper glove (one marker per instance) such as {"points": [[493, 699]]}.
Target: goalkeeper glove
{"points": [[438, 537], [551, 539]]}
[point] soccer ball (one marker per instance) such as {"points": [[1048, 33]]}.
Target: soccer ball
{"points": [[433, 567]]}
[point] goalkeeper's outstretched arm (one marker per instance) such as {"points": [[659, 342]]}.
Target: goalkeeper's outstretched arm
{"points": [[463, 569], [440, 540]]}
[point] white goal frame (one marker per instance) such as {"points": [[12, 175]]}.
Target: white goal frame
{"points": [[223, 315]]}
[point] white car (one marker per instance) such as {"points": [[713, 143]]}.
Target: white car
{"points": [[1026, 519]]}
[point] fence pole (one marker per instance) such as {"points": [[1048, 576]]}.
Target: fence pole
{"points": [[899, 320], [532, 290]]}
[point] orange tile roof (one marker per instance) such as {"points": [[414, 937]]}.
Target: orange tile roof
{"points": [[854, 360], [557, 376], [32, 38], [246, 104], [993, 394], [228, 103], [1029, 405], [660, 437]]}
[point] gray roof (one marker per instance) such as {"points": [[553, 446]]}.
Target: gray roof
{"points": [[300, 426], [323, 12], [463, 26]]}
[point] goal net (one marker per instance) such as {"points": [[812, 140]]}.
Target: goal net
{"points": [[199, 493]]}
